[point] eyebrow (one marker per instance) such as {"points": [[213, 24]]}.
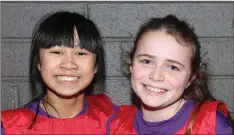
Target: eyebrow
{"points": [[153, 57], [173, 61], [146, 55]]}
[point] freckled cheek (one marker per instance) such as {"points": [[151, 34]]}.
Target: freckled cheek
{"points": [[177, 83], [139, 73]]}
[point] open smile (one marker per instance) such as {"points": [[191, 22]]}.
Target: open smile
{"points": [[67, 78], [154, 89]]}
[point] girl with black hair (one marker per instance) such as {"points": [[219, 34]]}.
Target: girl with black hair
{"points": [[66, 59]]}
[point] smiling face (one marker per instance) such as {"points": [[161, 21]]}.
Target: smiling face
{"points": [[66, 71], [161, 69]]}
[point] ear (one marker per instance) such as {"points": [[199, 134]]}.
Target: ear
{"points": [[191, 79], [130, 68], [96, 69], [39, 66]]}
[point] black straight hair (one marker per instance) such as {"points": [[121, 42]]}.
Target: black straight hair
{"points": [[57, 29]]}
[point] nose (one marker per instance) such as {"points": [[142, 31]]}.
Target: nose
{"points": [[68, 63], [156, 74]]}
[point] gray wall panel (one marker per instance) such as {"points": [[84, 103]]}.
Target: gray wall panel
{"points": [[18, 19], [18, 94], [119, 91], [222, 88], [122, 20], [8, 95], [15, 59], [219, 55]]}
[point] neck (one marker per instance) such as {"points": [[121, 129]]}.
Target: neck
{"points": [[160, 114], [62, 107]]}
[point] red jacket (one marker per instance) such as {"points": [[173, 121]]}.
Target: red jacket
{"points": [[204, 123], [93, 121]]}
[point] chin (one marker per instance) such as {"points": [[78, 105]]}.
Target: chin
{"points": [[69, 95], [149, 104]]}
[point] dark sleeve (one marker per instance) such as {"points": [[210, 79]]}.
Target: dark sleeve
{"points": [[223, 125], [2, 129]]}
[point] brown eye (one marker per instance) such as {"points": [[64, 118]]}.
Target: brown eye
{"points": [[81, 53], [56, 52]]}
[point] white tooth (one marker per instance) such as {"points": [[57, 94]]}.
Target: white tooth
{"points": [[67, 78], [154, 89]]}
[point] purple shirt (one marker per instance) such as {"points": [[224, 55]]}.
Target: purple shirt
{"points": [[34, 104], [175, 123]]}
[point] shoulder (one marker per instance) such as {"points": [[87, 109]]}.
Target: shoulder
{"points": [[101, 103], [213, 115], [127, 108], [33, 104], [124, 120], [126, 113], [213, 109], [16, 112], [99, 100], [16, 121], [213, 106], [223, 125], [16, 116]]}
